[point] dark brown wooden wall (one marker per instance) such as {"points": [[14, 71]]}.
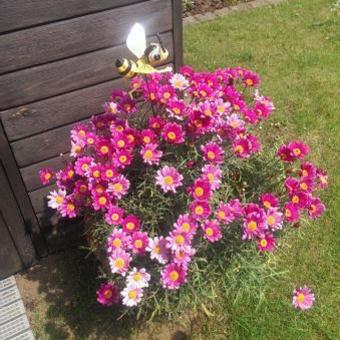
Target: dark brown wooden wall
{"points": [[56, 68]]}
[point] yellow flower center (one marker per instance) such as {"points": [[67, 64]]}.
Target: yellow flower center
{"points": [[102, 200], [249, 82], [90, 140], [267, 204], [199, 191], [146, 140], [99, 189], [179, 239], [96, 173], [239, 148], [131, 138], [120, 263], [288, 213], [211, 155], [132, 294], [70, 206], [252, 225], [176, 110], [221, 214], [174, 275], [84, 167], [166, 95], [109, 173], [236, 107], [295, 199], [137, 277], [127, 107], [304, 173], [123, 159], [168, 180], [81, 133], [312, 208], [209, 232], [303, 186], [120, 128], [210, 177], [114, 217], [104, 149], [130, 226], [138, 244], [301, 297], [48, 176], [271, 220], [157, 249], [171, 135], [117, 242], [59, 199], [263, 243], [121, 143], [83, 188], [117, 187], [178, 83], [199, 210], [148, 154], [108, 293], [203, 93], [152, 96], [296, 151], [186, 226], [208, 112]]}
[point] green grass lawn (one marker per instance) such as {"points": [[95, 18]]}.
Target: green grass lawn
{"points": [[294, 47]]}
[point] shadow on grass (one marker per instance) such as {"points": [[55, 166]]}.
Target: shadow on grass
{"points": [[60, 298]]}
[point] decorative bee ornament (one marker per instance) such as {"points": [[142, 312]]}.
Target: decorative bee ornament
{"points": [[148, 56]]}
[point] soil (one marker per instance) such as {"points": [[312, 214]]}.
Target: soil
{"points": [[203, 6], [59, 296]]}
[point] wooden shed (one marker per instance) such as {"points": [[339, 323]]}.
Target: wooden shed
{"points": [[57, 68]]}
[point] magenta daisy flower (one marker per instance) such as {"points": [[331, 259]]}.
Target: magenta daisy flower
{"points": [[158, 250], [291, 212], [148, 136], [200, 210], [118, 239], [156, 123], [291, 184], [103, 148], [78, 133], [186, 224], [122, 158], [46, 175], [101, 201], [303, 298], [241, 148], [274, 218], [139, 242], [150, 154], [176, 108], [211, 231], [119, 140], [224, 213], [132, 296], [201, 189], [285, 153], [213, 153], [298, 149], [253, 225], [108, 172], [266, 242], [182, 257], [82, 165], [131, 223], [316, 208], [322, 178], [307, 169], [119, 186], [269, 201], [108, 294], [168, 178], [213, 174], [307, 184], [120, 261], [173, 133], [173, 276], [138, 278], [301, 199], [68, 208], [114, 215]]}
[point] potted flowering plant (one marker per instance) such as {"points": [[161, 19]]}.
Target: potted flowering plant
{"points": [[167, 172]]}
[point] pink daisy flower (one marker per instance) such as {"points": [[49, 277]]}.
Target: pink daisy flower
{"points": [[253, 225], [131, 223], [165, 93], [307, 170], [211, 231], [213, 153], [241, 148], [316, 208], [291, 184], [158, 250], [148, 136], [91, 139], [178, 240], [179, 82], [118, 239], [108, 294], [119, 140], [108, 172], [291, 212], [82, 165], [322, 178], [186, 224], [173, 276], [114, 215], [138, 278], [284, 152], [101, 201], [168, 178], [274, 218], [301, 199], [213, 174], [156, 123], [139, 242], [94, 172], [303, 298], [182, 257], [200, 210], [224, 213], [122, 158], [269, 201], [250, 79], [298, 149], [150, 154], [235, 122], [306, 184], [103, 148], [68, 208], [266, 242], [119, 261], [119, 186], [176, 108], [78, 133], [56, 198], [201, 189], [132, 296], [173, 133], [46, 175]]}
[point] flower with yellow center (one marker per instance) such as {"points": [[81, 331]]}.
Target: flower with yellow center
{"points": [[209, 232], [211, 155], [138, 244], [102, 200], [148, 154], [199, 191], [168, 180], [174, 276], [252, 225], [121, 143], [171, 135], [263, 243]]}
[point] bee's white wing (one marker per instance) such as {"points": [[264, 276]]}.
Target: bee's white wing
{"points": [[136, 41]]}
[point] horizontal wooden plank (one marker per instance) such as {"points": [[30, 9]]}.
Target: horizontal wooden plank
{"points": [[30, 174], [68, 38], [47, 114], [59, 77], [18, 14]]}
